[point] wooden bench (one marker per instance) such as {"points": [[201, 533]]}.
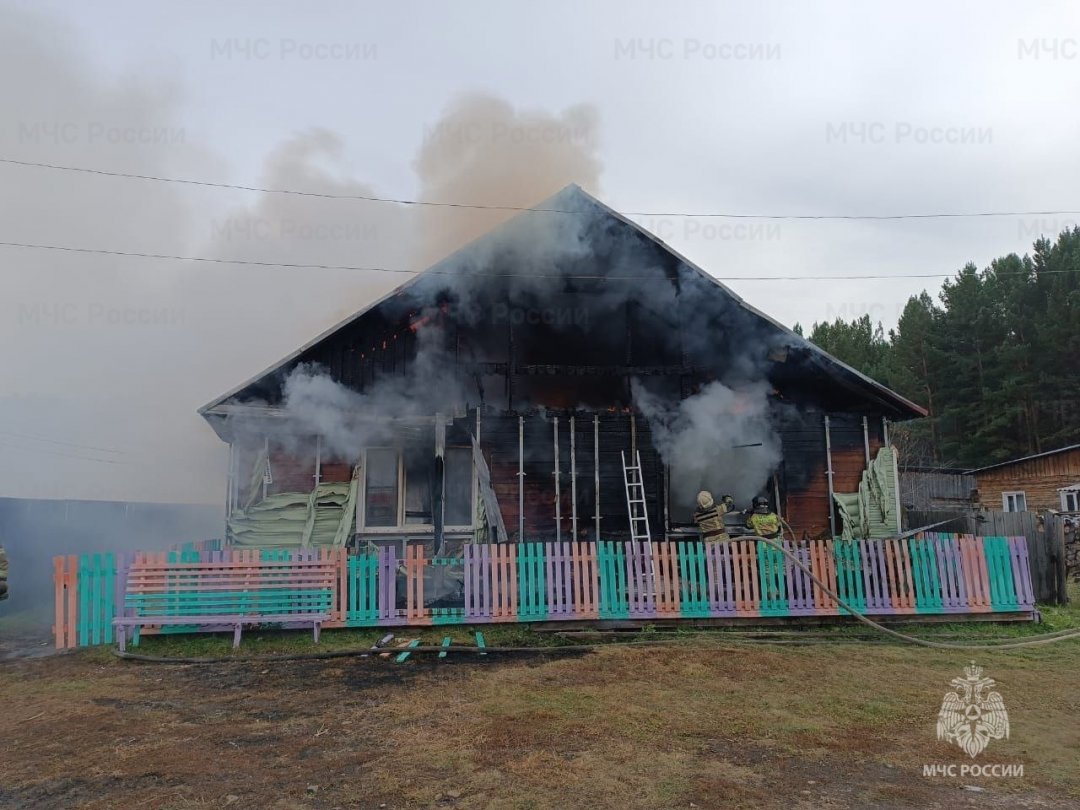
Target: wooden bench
{"points": [[229, 593]]}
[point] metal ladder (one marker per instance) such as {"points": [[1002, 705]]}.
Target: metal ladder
{"points": [[635, 499]]}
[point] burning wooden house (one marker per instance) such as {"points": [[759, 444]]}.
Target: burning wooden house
{"points": [[502, 394], [520, 434]]}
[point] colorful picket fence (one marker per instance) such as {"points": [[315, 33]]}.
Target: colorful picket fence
{"points": [[528, 582]]}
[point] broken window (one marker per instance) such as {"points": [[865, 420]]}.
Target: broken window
{"points": [[458, 487], [399, 487], [419, 472], [381, 488]]}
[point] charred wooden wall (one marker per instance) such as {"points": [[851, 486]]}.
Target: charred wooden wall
{"points": [[803, 477], [616, 433]]}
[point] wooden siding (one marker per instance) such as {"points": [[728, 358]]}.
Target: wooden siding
{"points": [[804, 477], [929, 491], [801, 477], [1038, 478], [499, 439]]}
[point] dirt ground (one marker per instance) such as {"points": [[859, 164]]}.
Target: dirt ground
{"points": [[807, 727]]}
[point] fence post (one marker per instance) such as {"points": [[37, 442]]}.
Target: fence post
{"points": [[1054, 528]]}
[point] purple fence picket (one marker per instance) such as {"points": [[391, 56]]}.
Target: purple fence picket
{"points": [[800, 597], [1018, 555], [553, 588], [720, 577], [387, 576], [866, 571], [950, 596], [875, 577], [950, 568], [559, 580]]}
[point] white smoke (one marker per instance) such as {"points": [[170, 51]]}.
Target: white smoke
{"points": [[698, 440], [313, 403]]}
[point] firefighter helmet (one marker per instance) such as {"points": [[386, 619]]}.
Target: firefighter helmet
{"points": [[761, 502], [704, 499]]}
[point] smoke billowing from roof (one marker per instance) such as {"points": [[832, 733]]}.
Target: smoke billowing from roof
{"points": [[484, 151]]}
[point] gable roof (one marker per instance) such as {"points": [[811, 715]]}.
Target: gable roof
{"points": [[573, 200], [1065, 449]]}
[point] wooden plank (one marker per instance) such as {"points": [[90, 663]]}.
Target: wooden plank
{"points": [[72, 590], [1022, 572], [59, 636], [672, 579], [972, 578], [486, 581], [402, 657], [552, 569], [592, 580], [511, 578]]}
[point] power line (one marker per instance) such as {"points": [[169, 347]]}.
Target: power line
{"points": [[426, 203], [59, 442], [596, 277], [76, 456]]}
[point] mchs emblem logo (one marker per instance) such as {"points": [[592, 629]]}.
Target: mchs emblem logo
{"points": [[972, 715]]}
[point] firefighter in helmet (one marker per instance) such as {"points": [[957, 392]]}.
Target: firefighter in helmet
{"points": [[709, 518], [762, 521]]}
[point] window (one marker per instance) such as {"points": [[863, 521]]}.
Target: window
{"points": [[1014, 501], [400, 488], [381, 488], [458, 474], [1070, 500], [419, 463]]}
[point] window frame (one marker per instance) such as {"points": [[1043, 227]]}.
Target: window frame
{"points": [[400, 526], [361, 498], [1013, 494], [1065, 495]]}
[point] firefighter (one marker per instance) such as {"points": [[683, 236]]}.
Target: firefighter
{"points": [[762, 521], [709, 518]]}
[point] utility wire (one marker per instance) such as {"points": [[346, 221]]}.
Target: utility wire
{"points": [[59, 442], [426, 203], [302, 266], [59, 453]]}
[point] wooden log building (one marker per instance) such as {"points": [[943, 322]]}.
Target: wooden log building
{"points": [[1044, 481], [537, 341]]}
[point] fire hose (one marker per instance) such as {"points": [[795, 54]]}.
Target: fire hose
{"points": [[995, 644]]}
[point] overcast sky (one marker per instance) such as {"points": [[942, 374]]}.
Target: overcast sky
{"points": [[771, 108]]}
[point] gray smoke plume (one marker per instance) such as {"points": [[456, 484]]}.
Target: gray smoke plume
{"points": [[483, 151], [697, 439]]}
